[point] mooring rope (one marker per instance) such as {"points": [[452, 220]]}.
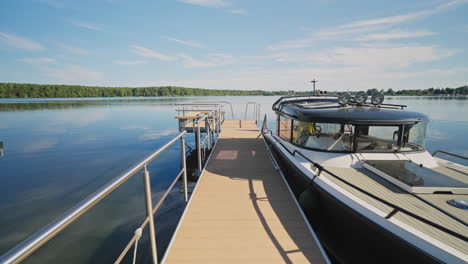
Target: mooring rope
{"points": [[137, 237]]}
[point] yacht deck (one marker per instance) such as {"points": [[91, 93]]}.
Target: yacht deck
{"points": [[379, 187]]}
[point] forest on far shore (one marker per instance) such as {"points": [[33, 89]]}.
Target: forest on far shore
{"points": [[23, 90]]}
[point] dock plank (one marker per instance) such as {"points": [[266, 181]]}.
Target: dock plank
{"points": [[242, 211]]}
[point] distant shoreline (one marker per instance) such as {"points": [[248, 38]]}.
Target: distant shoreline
{"points": [[23, 90]]}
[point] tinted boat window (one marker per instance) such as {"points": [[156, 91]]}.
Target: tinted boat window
{"points": [[393, 138], [284, 127], [322, 136], [336, 137], [415, 137], [377, 138]]}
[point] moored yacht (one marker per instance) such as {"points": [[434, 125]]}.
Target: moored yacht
{"points": [[364, 179]]}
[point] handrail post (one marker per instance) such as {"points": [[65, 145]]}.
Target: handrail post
{"points": [[246, 108], [255, 113], [257, 109], [184, 167], [198, 148], [207, 129], [258, 112], [220, 115], [193, 130], [149, 212]]}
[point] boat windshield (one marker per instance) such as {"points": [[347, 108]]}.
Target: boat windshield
{"points": [[335, 137], [389, 138]]}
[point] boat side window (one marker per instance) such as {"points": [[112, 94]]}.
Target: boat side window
{"points": [[284, 127], [321, 136], [414, 136]]}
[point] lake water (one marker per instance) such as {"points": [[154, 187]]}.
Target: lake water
{"points": [[58, 151]]}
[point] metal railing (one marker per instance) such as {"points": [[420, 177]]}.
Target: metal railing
{"points": [[200, 106], [38, 239], [210, 118], [35, 241], [212, 123], [207, 106], [256, 111], [450, 154]]}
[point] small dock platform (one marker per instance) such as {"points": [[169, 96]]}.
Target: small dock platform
{"points": [[242, 210], [187, 120]]}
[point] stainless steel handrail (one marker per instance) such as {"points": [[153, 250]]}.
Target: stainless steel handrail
{"points": [[218, 118], [255, 106], [450, 154], [210, 132], [206, 103], [35, 241], [158, 205]]}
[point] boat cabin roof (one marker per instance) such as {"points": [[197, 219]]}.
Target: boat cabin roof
{"points": [[328, 110]]}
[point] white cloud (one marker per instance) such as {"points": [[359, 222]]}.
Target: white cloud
{"points": [[213, 60], [73, 49], [335, 33], [370, 56], [291, 44], [238, 11], [148, 53], [388, 20], [367, 30], [20, 42], [74, 74], [207, 3], [38, 60], [190, 43], [372, 33], [391, 20], [134, 62], [395, 34], [95, 27]]}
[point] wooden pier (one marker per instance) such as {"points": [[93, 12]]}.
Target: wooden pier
{"points": [[242, 210]]}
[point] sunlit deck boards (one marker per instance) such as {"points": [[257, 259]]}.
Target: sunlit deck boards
{"points": [[242, 211]]}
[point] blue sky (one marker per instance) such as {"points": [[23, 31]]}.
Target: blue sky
{"points": [[236, 44]]}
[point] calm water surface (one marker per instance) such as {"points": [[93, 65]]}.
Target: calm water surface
{"points": [[58, 151]]}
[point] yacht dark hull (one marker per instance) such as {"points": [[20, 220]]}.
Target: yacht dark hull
{"points": [[348, 236]]}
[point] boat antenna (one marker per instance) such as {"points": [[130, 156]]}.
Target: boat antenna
{"points": [[314, 81]]}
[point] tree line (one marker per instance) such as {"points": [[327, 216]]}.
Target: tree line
{"points": [[460, 91], [25, 90]]}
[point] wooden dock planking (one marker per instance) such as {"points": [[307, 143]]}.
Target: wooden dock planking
{"points": [[242, 210], [190, 115], [197, 114]]}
